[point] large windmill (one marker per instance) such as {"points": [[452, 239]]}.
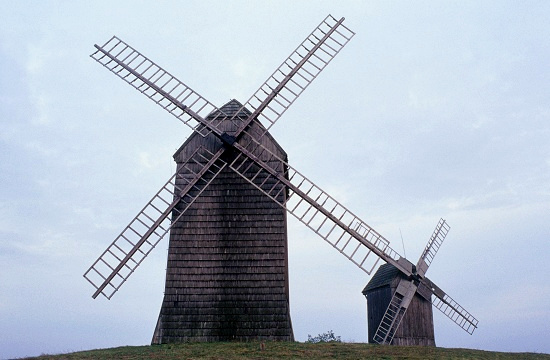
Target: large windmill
{"points": [[237, 153]]}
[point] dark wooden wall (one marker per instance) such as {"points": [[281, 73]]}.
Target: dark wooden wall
{"points": [[377, 302], [227, 271]]}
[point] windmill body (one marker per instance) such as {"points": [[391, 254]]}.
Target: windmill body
{"points": [[227, 270], [417, 326]]}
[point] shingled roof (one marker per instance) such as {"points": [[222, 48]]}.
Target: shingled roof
{"points": [[383, 276], [230, 109]]}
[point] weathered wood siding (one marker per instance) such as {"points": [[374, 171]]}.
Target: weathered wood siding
{"points": [[227, 272], [377, 302], [417, 326]]}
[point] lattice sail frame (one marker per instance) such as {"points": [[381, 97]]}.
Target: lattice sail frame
{"points": [[152, 223], [395, 312], [309, 203], [273, 97], [294, 75], [432, 247], [450, 308], [156, 83]]}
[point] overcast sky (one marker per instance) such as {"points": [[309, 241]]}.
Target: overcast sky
{"points": [[434, 109]]}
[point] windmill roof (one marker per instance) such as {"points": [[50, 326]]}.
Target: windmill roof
{"points": [[229, 109], [383, 276]]}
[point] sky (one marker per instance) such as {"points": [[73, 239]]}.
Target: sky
{"points": [[433, 110]]}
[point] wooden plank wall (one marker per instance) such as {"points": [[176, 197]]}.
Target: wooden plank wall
{"points": [[417, 327], [377, 302]]}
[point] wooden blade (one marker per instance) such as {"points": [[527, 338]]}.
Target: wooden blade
{"points": [[432, 247], [157, 84], [268, 103], [395, 312], [449, 307], [342, 229], [295, 74], [137, 240]]}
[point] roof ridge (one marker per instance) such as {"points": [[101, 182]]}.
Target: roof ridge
{"points": [[230, 109]]}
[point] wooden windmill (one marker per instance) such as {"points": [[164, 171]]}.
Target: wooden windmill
{"points": [[386, 316], [227, 275]]}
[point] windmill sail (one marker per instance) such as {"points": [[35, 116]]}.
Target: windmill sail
{"points": [[135, 242], [426, 287], [294, 75], [449, 306], [333, 222], [269, 102], [432, 247], [395, 312], [156, 83]]}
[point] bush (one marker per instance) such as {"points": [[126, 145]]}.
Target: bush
{"points": [[323, 338]]}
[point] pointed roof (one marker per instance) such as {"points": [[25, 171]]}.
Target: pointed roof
{"points": [[383, 276], [230, 109]]}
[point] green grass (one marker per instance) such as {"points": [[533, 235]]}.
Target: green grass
{"points": [[289, 350]]}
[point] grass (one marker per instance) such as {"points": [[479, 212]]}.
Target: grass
{"points": [[289, 350]]}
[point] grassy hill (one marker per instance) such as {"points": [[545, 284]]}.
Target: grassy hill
{"points": [[294, 350]]}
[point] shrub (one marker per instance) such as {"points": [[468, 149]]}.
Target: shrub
{"points": [[324, 338]]}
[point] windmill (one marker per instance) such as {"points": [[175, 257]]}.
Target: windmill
{"points": [[236, 141], [390, 293]]}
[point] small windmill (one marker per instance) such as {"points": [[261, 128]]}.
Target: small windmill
{"points": [[236, 141], [390, 293]]}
